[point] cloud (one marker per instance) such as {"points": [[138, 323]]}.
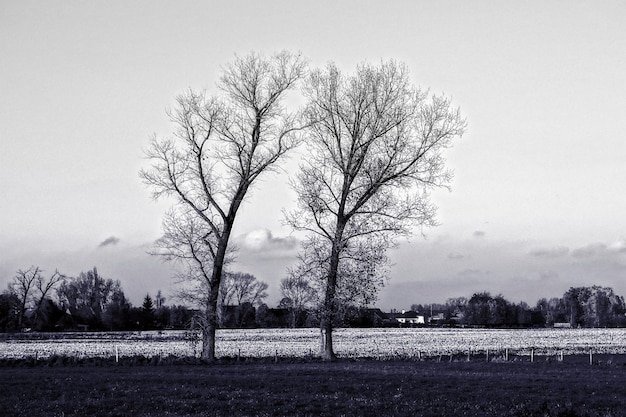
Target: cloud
{"points": [[455, 255], [264, 241], [600, 250], [109, 241], [554, 252], [473, 275], [479, 233], [589, 250], [618, 246]]}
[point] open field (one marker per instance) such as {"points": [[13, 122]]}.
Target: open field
{"points": [[345, 388], [298, 343], [421, 372]]}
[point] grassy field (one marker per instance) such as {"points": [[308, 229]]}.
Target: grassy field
{"points": [[312, 388]]}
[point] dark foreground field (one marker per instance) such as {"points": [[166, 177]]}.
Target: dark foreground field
{"points": [[349, 388]]}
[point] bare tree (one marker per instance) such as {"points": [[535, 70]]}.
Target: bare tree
{"points": [[45, 287], [219, 148], [23, 285], [375, 150], [245, 288], [242, 291], [31, 288], [298, 292]]}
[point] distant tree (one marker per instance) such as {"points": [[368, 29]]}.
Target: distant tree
{"points": [[554, 310], [523, 314], [87, 296], [594, 306], [375, 149], [242, 292], [23, 286], [575, 298], [45, 311], [418, 308], [162, 317], [147, 310], [298, 295], [117, 313], [148, 305], [501, 312], [605, 308], [161, 312], [9, 311], [246, 288], [457, 304], [180, 317], [220, 147], [159, 300], [477, 311]]}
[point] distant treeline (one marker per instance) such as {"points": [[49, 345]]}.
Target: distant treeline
{"points": [[579, 307], [90, 302]]}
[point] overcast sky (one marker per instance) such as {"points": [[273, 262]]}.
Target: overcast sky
{"points": [[537, 203]]}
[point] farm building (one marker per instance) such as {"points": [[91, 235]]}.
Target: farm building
{"points": [[411, 318]]}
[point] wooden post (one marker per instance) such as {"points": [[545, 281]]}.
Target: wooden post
{"points": [[238, 354], [487, 355], [532, 355], [419, 355], [117, 355], [590, 357], [468, 354], [506, 354], [561, 357], [276, 356]]}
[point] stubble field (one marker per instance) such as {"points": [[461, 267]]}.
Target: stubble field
{"points": [[379, 343]]}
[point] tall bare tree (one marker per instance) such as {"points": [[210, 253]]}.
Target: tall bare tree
{"points": [[32, 288], [375, 150], [220, 146], [23, 286], [44, 288]]}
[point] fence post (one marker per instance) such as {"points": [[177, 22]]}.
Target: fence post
{"points": [[117, 356], [487, 355], [506, 354], [590, 356], [532, 355], [468, 354]]}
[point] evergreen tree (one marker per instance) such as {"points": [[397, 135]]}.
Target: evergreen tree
{"points": [[147, 310]]}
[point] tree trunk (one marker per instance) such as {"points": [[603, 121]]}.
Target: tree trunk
{"points": [[209, 327], [328, 354], [208, 342], [328, 314]]}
